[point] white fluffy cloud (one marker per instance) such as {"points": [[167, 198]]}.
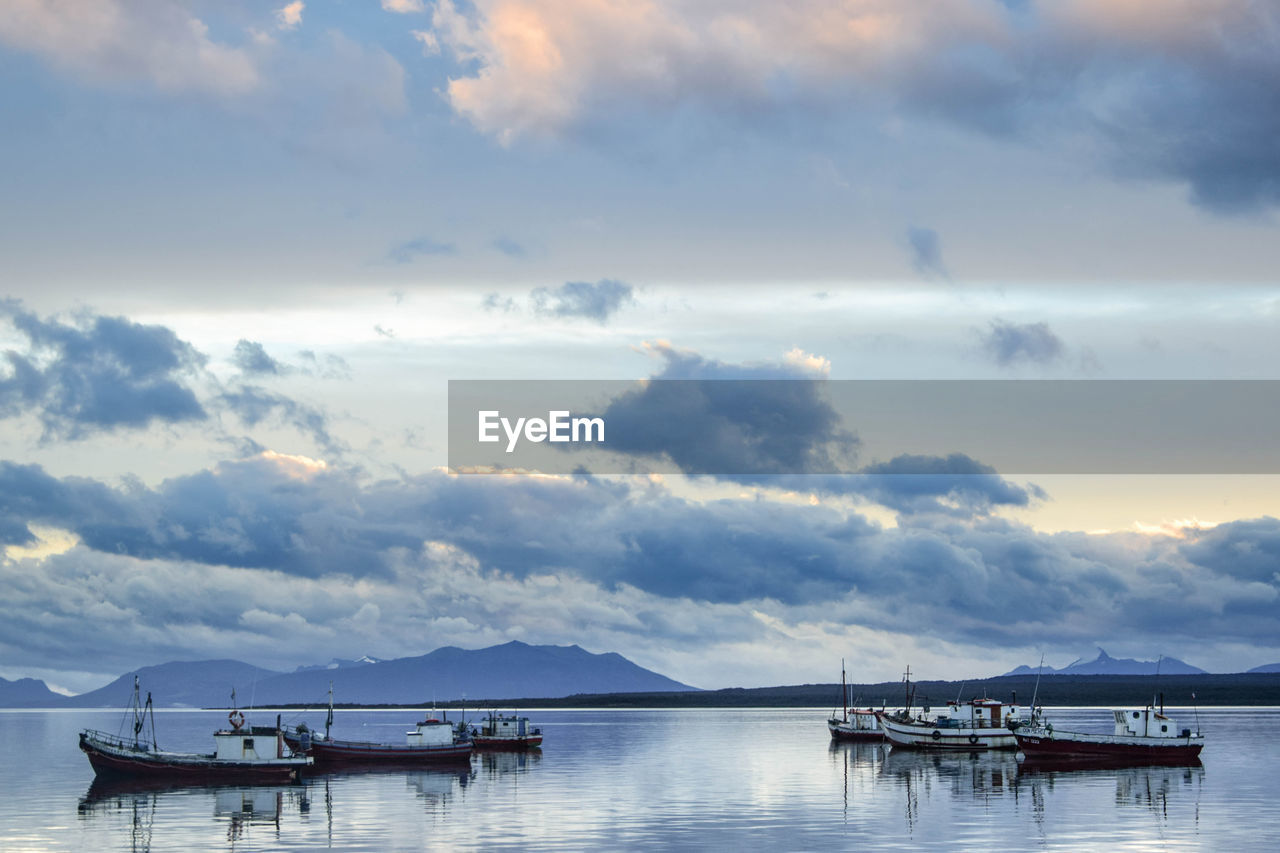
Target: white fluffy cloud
{"points": [[404, 7], [289, 17], [158, 41]]}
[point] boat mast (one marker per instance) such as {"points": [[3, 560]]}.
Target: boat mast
{"points": [[328, 720], [844, 692], [137, 713]]}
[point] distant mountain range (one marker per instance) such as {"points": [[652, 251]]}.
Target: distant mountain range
{"points": [[510, 671], [1268, 667], [28, 693], [1105, 664]]}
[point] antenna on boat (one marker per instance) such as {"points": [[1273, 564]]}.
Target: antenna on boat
{"points": [[1035, 693], [1159, 660], [1196, 708]]}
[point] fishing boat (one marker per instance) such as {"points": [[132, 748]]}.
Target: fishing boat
{"points": [[1140, 733], [434, 739], [241, 754], [976, 724], [506, 732], [853, 723]]}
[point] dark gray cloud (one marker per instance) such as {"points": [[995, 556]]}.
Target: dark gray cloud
{"points": [[1010, 343], [983, 580], [952, 484], [593, 301], [925, 248], [710, 417], [409, 250], [251, 357], [103, 373], [254, 404]]}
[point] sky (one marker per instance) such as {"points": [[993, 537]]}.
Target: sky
{"points": [[245, 246]]}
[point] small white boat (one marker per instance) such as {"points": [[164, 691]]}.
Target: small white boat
{"points": [[853, 723]]}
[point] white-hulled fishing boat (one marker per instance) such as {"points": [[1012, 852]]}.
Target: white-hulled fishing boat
{"points": [[973, 725]]}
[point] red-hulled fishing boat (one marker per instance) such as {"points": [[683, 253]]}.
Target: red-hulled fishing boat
{"points": [[1140, 733], [506, 732], [433, 740], [253, 754]]}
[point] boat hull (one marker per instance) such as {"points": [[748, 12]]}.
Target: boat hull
{"points": [[334, 752], [528, 742], [181, 767], [1078, 746], [915, 735]]}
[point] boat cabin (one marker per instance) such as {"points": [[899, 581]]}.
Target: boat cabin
{"points": [[510, 727], [249, 744], [430, 732], [1146, 722], [977, 714]]}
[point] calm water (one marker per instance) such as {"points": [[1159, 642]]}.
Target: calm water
{"points": [[716, 779]]}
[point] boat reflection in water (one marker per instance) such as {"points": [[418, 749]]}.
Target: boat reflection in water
{"points": [[1138, 783], [241, 807], [499, 763]]}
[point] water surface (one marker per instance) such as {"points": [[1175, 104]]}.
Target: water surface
{"points": [[748, 779]]}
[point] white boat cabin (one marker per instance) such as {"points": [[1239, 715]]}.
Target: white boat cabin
{"points": [[250, 744], [430, 732], [976, 714], [1146, 722], [509, 727]]}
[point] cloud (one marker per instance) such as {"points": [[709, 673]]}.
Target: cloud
{"points": [[954, 484], [410, 250], [254, 405], [1011, 343], [330, 367], [101, 374], [289, 16], [154, 567], [404, 7], [426, 38], [926, 252], [598, 301], [157, 41], [251, 357], [509, 247], [721, 420], [1181, 92], [497, 302]]}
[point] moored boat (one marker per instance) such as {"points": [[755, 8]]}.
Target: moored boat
{"points": [[973, 725], [1144, 734], [853, 723], [433, 740], [497, 731], [252, 754]]}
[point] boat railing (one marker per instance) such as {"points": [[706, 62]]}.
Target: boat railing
{"points": [[115, 741]]}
